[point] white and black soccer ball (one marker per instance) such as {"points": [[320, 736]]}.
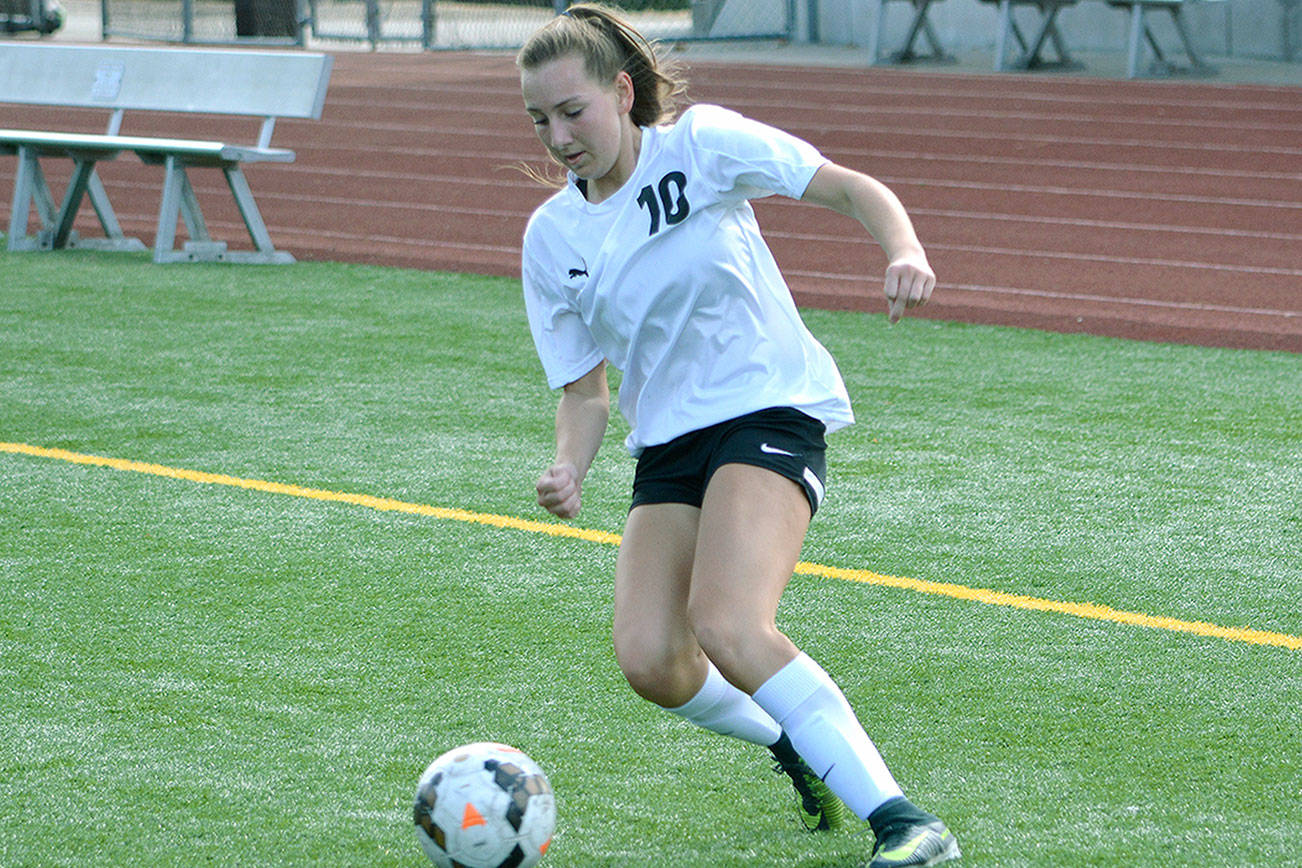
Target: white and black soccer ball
{"points": [[484, 805]]}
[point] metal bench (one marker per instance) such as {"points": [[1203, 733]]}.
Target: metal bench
{"points": [[1046, 34], [919, 27], [1141, 32], [260, 84]]}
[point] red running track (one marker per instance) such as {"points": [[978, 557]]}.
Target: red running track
{"points": [[1168, 211]]}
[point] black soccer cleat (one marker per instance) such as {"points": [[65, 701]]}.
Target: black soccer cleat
{"points": [[820, 809], [908, 837]]}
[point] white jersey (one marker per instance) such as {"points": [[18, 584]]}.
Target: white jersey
{"points": [[670, 280]]}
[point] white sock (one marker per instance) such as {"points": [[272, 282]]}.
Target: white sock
{"points": [[823, 728], [720, 707]]}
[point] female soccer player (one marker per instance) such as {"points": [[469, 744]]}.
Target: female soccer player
{"points": [[650, 258]]}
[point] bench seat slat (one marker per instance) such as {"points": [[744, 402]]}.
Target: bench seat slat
{"points": [[46, 141]]}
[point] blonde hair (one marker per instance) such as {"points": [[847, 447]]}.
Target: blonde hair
{"points": [[608, 44]]}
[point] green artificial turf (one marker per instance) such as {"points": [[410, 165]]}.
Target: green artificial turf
{"points": [[199, 673]]}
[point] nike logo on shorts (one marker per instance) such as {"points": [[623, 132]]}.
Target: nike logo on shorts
{"points": [[773, 450]]}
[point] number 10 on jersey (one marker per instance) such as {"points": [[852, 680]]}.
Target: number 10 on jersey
{"points": [[671, 192]]}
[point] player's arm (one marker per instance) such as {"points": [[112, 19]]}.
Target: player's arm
{"points": [[581, 418], [909, 278]]}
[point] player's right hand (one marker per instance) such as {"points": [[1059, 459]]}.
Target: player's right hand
{"points": [[558, 490], [909, 282]]}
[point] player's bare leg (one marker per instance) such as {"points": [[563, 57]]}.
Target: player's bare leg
{"points": [[752, 527], [663, 662], [654, 643]]}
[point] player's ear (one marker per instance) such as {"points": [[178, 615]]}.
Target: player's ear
{"points": [[624, 91]]}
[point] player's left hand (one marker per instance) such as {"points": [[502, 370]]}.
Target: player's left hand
{"points": [[909, 282], [559, 490]]}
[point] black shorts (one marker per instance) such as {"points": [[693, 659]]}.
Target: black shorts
{"points": [[780, 439]]}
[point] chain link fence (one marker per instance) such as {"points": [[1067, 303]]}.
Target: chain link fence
{"points": [[269, 22], [430, 24]]}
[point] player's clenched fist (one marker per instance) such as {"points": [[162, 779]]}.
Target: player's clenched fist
{"points": [[909, 282], [558, 490]]}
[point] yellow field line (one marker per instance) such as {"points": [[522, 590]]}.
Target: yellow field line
{"points": [[945, 589]]}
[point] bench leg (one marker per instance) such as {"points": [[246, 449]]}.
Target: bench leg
{"points": [[937, 50], [1059, 45], [21, 204], [29, 187], [1032, 58], [907, 53], [916, 28], [56, 231], [81, 173], [114, 239], [1159, 59], [1008, 27], [253, 219], [1136, 36], [875, 38], [179, 202], [1048, 33], [1194, 60], [169, 211], [1001, 34], [195, 226], [1287, 48], [1022, 44], [1140, 32]]}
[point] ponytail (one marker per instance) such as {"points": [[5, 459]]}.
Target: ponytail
{"points": [[608, 45]]}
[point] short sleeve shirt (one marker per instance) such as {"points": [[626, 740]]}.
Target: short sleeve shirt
{"points": [[670, 280]]}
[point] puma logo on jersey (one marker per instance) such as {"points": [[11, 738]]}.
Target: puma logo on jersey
{"points": [[578, 272]]}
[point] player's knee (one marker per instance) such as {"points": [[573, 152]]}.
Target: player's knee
{"points": [[723, 636], [658, 670]]}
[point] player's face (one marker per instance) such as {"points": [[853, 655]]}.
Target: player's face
{"points": [[583, 123]]}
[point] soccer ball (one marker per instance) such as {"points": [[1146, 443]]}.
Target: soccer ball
{"points": [[484, 805]]}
